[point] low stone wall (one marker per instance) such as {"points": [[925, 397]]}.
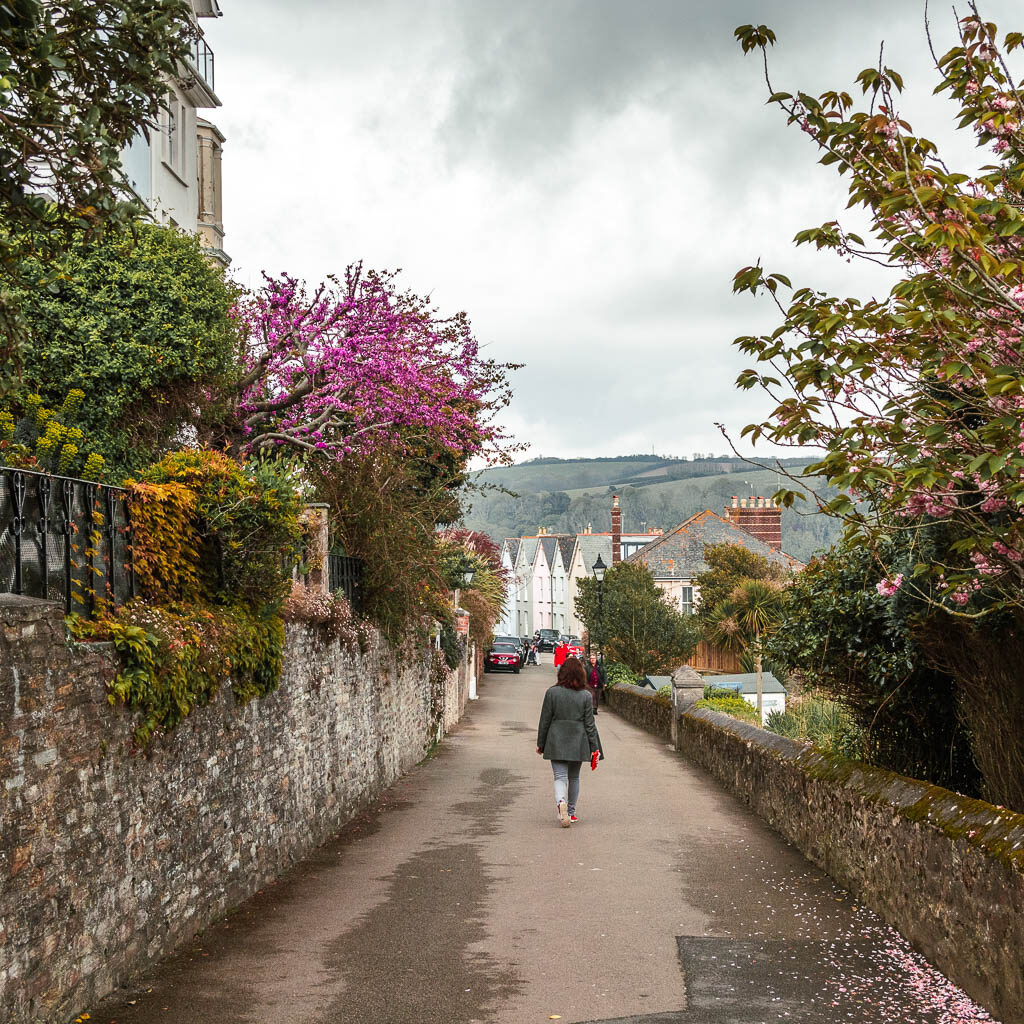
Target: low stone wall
{"points": [[947, 872], [110, 858], [642, 707]]}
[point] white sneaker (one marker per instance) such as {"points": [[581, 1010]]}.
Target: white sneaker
{"points": [[563, 814]]}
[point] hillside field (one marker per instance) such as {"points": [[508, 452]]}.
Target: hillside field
{"points": [[566, 497]]}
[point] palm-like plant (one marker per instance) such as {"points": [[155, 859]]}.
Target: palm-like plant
{"points": [[759, 610], [745, 619]]}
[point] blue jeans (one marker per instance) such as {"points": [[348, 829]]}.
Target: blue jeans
{"points": [[567, 782]]}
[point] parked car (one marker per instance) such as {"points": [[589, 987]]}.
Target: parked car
{"points": [[517, 643], [502, 658], [547, 639]]}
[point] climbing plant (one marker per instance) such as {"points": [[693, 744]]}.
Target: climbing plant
{"points": [[215, 541]]}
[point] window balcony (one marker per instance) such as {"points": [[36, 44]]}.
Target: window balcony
{"points": [[201, 86]]}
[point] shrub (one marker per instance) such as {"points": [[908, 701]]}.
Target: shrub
{"points": [[33, 436], [616, 672], [247, 528], [732, 705], [828, 724], [214, 543], [331, 612], [876, 655], [383, 517], [451, 645], [140, 323]]}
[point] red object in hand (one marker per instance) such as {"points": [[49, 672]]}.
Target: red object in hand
{"points": [[593, 760]]}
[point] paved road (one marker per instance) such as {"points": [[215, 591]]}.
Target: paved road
{"points": [[460, 900]]}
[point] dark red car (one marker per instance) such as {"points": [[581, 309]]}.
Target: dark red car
{"points": [[502, 658]]}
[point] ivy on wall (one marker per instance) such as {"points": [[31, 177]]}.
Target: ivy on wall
{"points": [[214, 544]]}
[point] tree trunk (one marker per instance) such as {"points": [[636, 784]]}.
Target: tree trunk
{"points": [[760, 682], [985, 660]]}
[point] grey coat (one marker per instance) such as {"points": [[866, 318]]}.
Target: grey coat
{"points": [[567, 731]]}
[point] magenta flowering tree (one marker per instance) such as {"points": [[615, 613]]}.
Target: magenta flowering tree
{"points": [[916, 396], [357, 366]]}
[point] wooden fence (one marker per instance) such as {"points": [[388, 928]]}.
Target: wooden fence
{"points": [[706, 658]]}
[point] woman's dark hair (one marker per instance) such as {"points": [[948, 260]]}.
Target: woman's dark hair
{"points": [[571, 674]]}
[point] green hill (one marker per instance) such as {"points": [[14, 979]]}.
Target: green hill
{"points": [[567, 496]]}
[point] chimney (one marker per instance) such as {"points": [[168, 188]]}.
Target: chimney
{"points": [[760, 517], [616, 531]]}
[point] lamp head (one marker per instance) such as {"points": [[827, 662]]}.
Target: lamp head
{"points": [[599, 569]]}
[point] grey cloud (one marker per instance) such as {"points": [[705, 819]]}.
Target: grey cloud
{"points": [[533, 74]]}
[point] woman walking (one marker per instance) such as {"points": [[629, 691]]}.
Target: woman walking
{"points": [[595, 679], [567, 735]]}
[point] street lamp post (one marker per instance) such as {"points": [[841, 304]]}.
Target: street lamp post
{"points": [[599, 570]]}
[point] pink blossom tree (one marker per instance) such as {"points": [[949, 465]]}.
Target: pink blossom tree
{"points": [[917, 395], [357, 365]]}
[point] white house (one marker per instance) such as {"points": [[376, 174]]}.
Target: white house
{"points": [[507, 624], [585, 553], [523, 584], [176, 172]]}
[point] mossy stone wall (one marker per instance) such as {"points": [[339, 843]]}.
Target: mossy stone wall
{"points": [[112, 857], [642, 707], [946, 871]]}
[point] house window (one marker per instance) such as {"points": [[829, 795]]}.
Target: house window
{"points": [[686, 600], [174, 134], [172, 137]]}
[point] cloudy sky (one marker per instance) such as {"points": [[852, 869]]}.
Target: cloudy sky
{"points": [[583, 177]]}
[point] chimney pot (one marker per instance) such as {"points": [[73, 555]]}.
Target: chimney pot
{"points": [[735, 501], [760, 516]]}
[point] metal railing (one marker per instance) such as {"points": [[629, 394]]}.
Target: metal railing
{"points": [[64, 539], [204, 64], [346, 574]]}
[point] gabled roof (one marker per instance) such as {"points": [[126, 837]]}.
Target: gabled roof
{"points": [[590, 545], [512, 546], [679, 554], [528, 550], [548, 545], [565, 546]]}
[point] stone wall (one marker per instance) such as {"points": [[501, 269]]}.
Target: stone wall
{"points": [[642, 707], [110, 857], [946, 871]]}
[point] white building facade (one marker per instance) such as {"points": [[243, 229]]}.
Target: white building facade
{"points": [[176, 172], [507, 623]]}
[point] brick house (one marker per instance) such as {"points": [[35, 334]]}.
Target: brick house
{"points": [[676, 558]]}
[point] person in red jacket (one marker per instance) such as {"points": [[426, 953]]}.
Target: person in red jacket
{"points": [[561, 653]]}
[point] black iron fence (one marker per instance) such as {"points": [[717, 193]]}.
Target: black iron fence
{"points": [[64, 540], [346, 574]]}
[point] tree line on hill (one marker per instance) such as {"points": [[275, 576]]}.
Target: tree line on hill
{"points": [[503, 515]]}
